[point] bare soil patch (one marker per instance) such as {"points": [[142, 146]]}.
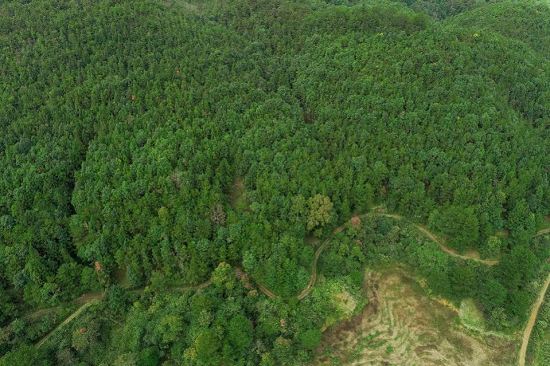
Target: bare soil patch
{"points": [[472, 253], [237, 196], [402, 326]]}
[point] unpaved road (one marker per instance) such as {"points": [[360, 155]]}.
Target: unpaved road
{"points": [[192, 287], [81, 300], [65, 322], [376, 210], [450, 251], [534, 313], [266, 291], [440, 243], [531, 322], [542, 232], [313, 277], [86, 299]]}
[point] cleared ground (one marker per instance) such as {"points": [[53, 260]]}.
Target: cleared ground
{"points": [[402, 326]]}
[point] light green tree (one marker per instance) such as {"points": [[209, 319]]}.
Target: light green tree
{"points": [[320, 209]]}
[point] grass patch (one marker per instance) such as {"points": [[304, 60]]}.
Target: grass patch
{"points": [[121, 278], [470, 315]]}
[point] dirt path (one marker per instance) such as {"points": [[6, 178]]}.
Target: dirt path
{"points": [[81, 300], [376, 210], [65, 322], [87, 300], [542, 232], [192, 287], [440, 242], [534, 313], [266, 291], [531, 322], [38, 313], [89, 297], [450, 251], [313, 277]]}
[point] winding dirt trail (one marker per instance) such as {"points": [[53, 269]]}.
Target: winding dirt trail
{"points": [[89, 297], [435, 239], [377, 210], [313, 277], [37, 313], [266, 291], [192, 287], [81, 300], [441, 242], [86, 299], [531, 323]]}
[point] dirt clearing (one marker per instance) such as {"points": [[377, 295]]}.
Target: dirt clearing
{"points": [[402, 326]]}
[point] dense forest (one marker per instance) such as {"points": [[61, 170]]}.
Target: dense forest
{"points": [[152, 146]]}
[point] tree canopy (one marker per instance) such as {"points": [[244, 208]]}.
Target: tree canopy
{"points": [[150, 146]]}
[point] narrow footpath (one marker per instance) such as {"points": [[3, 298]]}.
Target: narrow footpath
{"points": [[531, 323], [87, 299]]}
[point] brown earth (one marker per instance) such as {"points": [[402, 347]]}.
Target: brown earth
{"points": [[402, 326]]}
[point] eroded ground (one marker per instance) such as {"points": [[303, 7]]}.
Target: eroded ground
{"points": [[402, 326]]}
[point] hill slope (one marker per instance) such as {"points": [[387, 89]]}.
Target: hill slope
{"points": [[127, 126]]}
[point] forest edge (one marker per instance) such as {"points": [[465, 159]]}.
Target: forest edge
{"points": [[377, 210]]}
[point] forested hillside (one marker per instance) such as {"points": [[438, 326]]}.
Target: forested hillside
{"points": [[151, 146]]}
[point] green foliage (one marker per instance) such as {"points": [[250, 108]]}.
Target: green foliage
{"points": [[440, 9], [170, 327], [117, 298], [522, 223], [311, 338], [8, 309], [518, 267], [23, 356], [319, 208], [524, 21], [240, 333], [127, 126], [492, 293], [206, 345], [86, 338], [519, 302], [459, 224], [493, 247], [148, 357], [463, 280]]}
